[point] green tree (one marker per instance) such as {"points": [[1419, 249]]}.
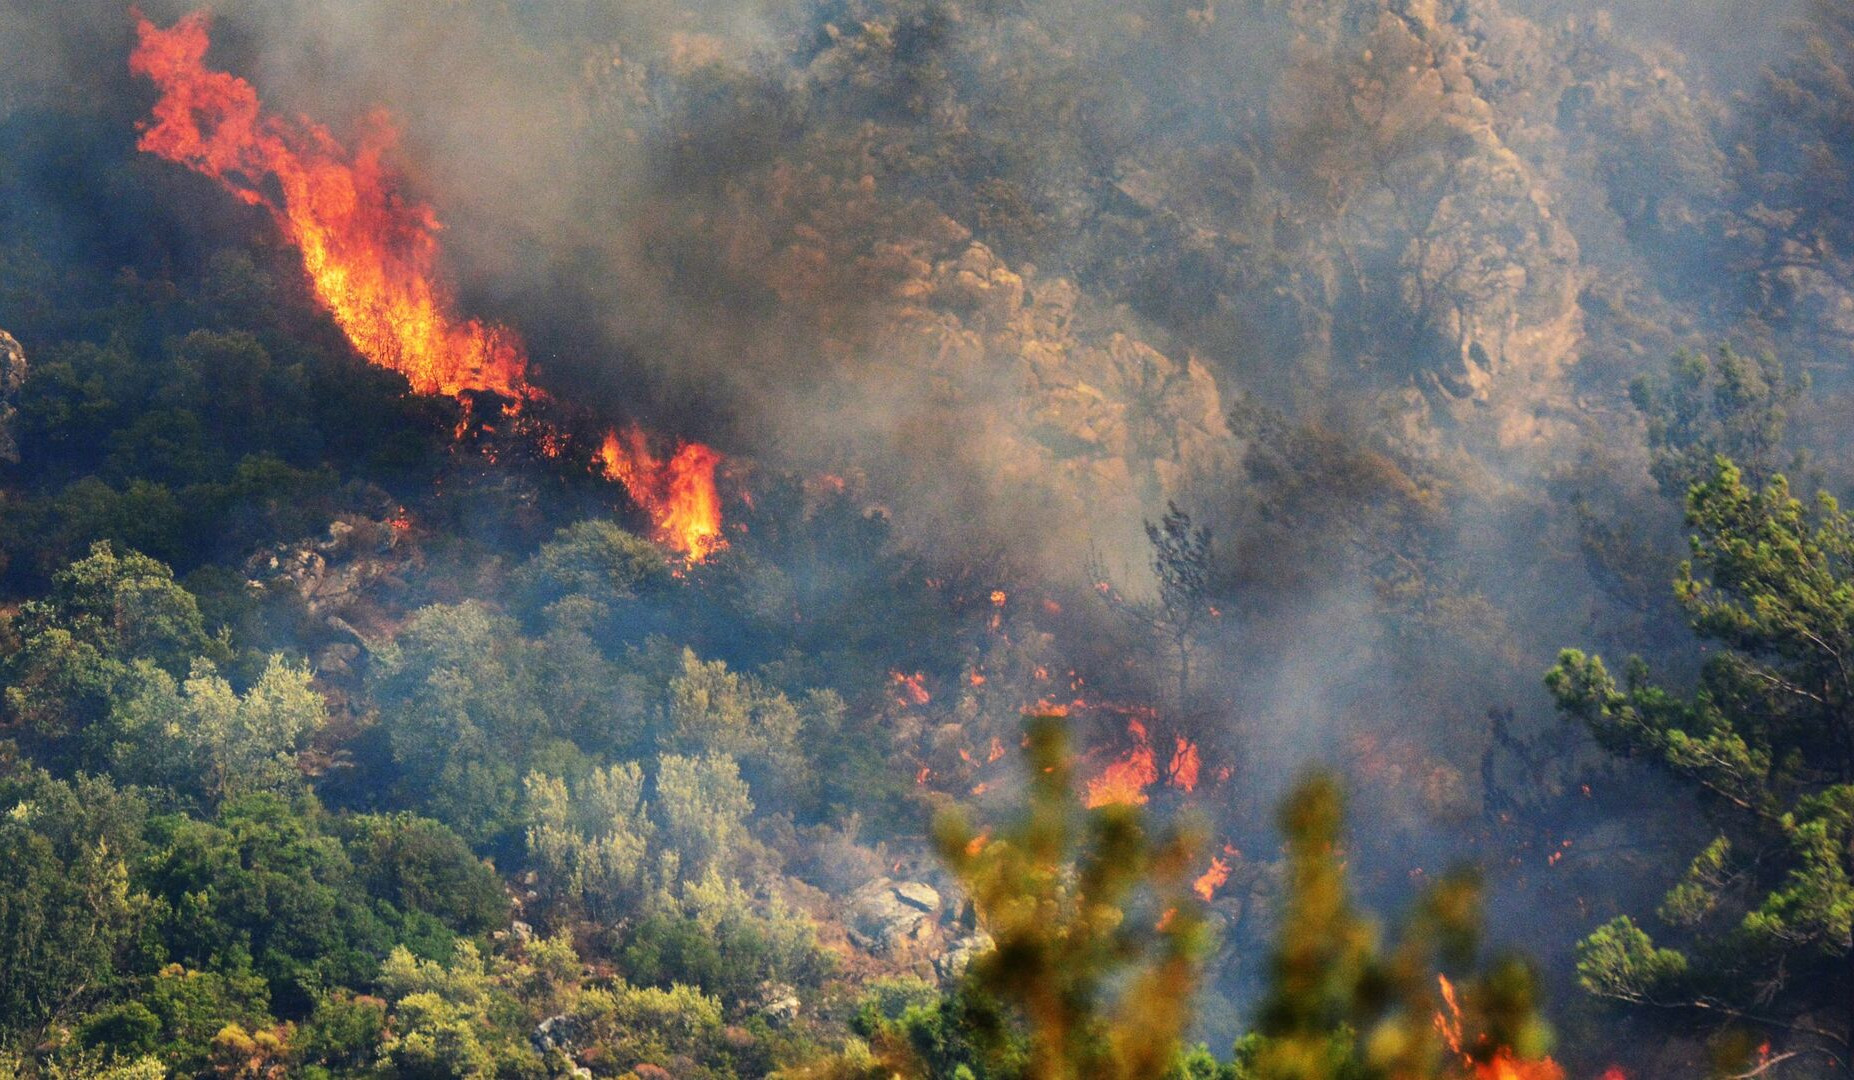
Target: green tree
{"points": [[712, 710], [464, 715], [1761, 920], [1705, 406], [443, 1019], [1098, 937], [436, 1039], [416, 864], [702, 806], [343, 1034], [69, 914], [595, 560], [127, 606], [1343, 1004], [177, 1014], [589, 842], [262, 889], [649, 1023], [81, 641], [203, 735]]}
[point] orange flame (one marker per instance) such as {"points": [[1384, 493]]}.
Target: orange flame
{"points": [[678, 493], [1211, 880], [910, 689], [1182, 773], [1502, 1064], [1125, 781], [371, 256]]}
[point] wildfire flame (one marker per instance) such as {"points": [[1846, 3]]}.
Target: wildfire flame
{"points": [[678, 492], [1503, 1064], [372, 257], [1126, 779], [1185, 764], [1211, 880], [910, 689]]}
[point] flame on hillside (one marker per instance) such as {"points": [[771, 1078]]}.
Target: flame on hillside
{"points": [[677, 491], [910, 689], [1127, 777], [1211, 880], [1503, 1063], [1185, 765], [372, 256]]}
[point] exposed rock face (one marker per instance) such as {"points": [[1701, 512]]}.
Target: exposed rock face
{"points": [[889, 919], [561, 1033], [952, 963], [1094, 425], [918, 895], [341, 580], [1418, 245], [1485, 269], [12, 377], [978, 399], [779, 1003]]}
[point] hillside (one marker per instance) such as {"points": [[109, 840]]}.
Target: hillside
{"points": [[523, 525]]}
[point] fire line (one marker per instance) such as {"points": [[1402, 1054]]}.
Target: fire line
{"points": [[372, 256]]}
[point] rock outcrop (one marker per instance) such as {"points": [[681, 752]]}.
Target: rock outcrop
{"points": [[894, 919], [344, 582], [1079, 424]]}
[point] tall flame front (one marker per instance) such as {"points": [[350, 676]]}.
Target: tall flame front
{"points": [[678, 491], [372, 257]]}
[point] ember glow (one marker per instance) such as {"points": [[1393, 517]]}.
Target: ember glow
{"points": [[372, 256]]}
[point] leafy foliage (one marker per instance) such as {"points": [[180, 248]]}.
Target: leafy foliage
{"points": [[1706, 406], [1101, 973], [70, 919]]}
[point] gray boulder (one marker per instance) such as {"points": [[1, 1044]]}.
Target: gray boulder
{"points": [[952, 963], [883, 921]]}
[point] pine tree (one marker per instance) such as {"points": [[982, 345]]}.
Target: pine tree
{"points": [[1760, 921]]}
